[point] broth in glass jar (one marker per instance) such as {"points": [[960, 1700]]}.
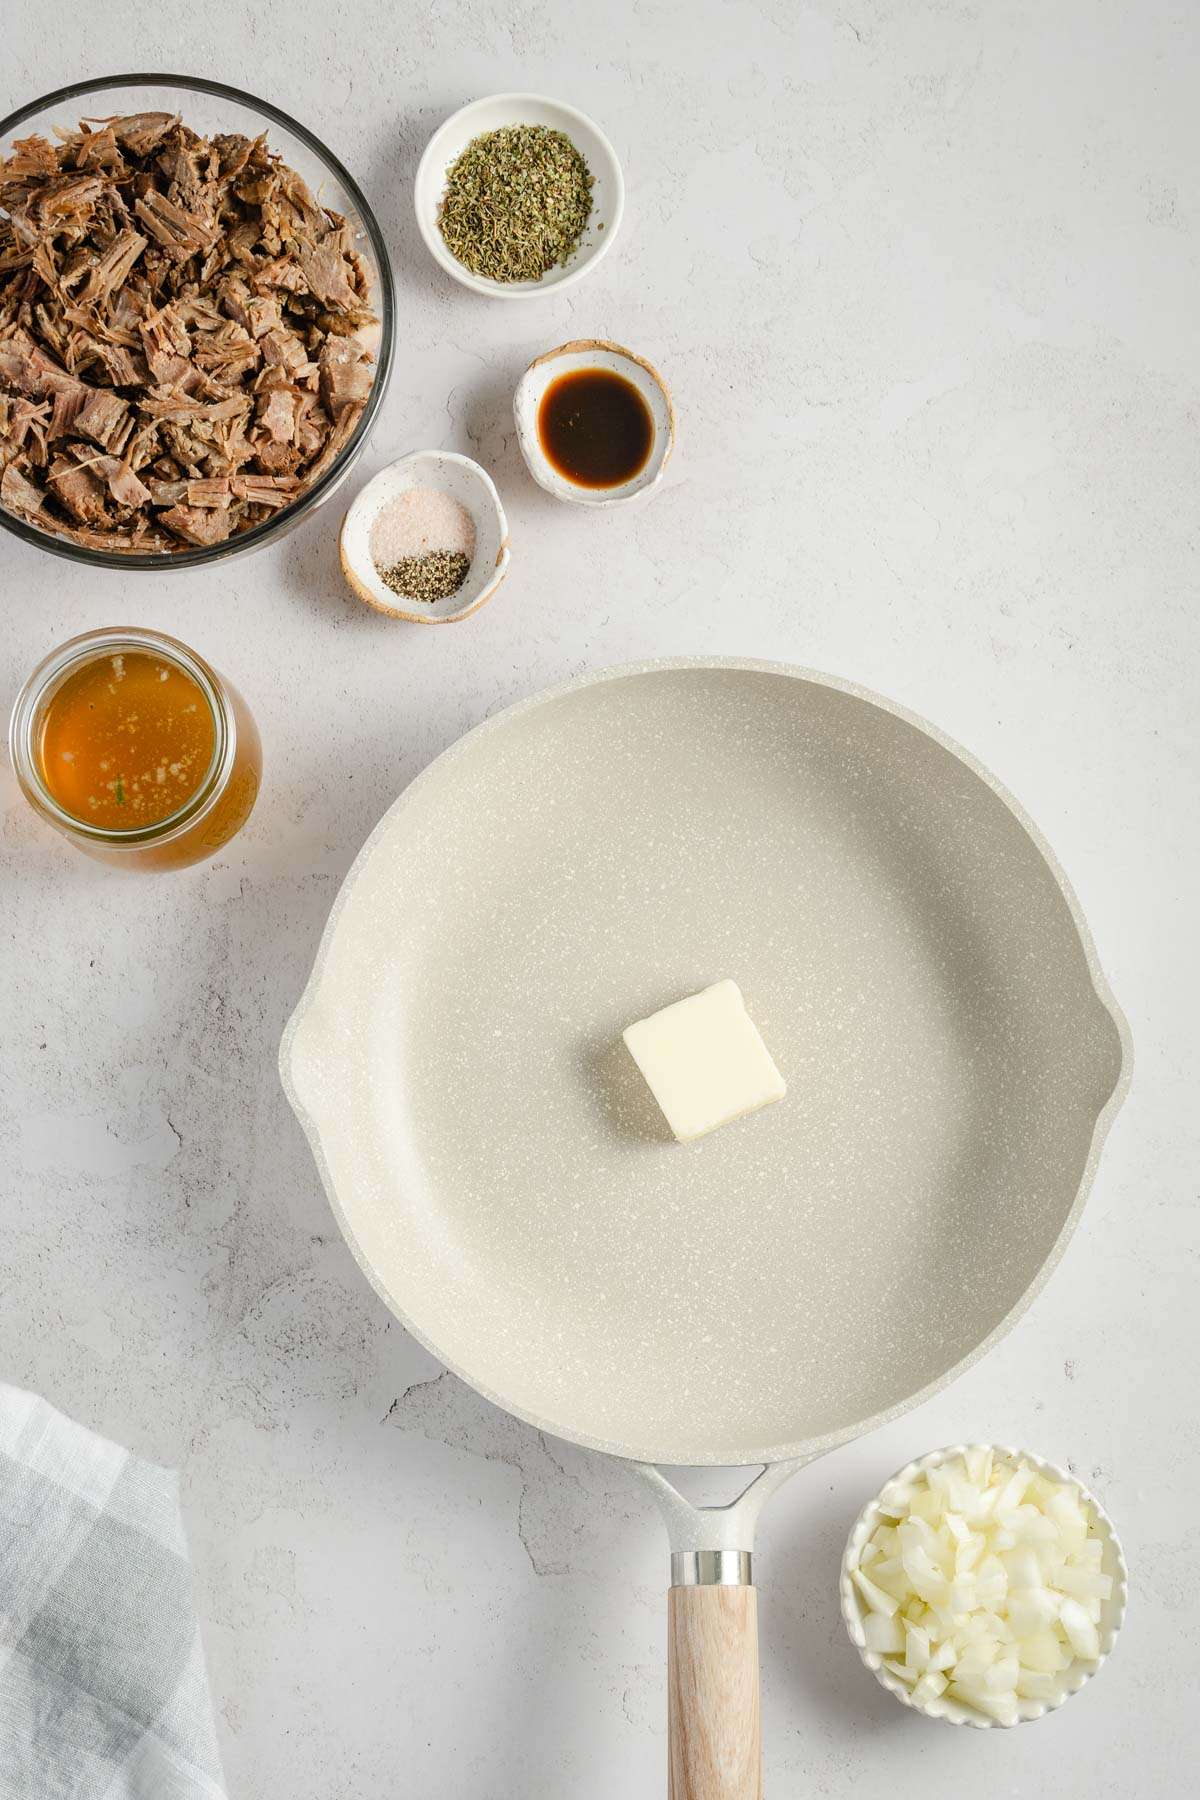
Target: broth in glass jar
{"points": [[136, 750]]}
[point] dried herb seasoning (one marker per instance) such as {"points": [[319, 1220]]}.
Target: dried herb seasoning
{"points": [[516, 203]]}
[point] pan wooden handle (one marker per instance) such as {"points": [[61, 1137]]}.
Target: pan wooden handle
{"points": [[714, 1735]]}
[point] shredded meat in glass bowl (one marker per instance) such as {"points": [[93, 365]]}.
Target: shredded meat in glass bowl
{"points": [[195, 321]]}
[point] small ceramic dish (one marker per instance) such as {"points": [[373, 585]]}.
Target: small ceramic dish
{"points": [[593, 353], [464, 481], [492, 114], [1071, 1679]]}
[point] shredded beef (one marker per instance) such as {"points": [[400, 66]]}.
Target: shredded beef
{"points": [[184, 334], [17, 494]]}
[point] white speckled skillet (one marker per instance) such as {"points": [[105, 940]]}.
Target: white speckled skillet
{"points": [[919, 969]]}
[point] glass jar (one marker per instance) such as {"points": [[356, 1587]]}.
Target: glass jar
{"points": [[214, 810]]}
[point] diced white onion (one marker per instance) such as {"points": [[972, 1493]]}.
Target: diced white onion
{"points": [[1002, 1707], [901, 1670], [1043, 1651], [916, 1646], [876, 1599], [975, 1661], [884, 1635], [979, 1466], [1022, 1568], [1081, 1633], [1032, 1611], [983, 1583], [1084, 1584], [1001, 1678]]}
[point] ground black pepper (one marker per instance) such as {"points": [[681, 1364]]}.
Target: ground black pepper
{"points": [[431, 577]]}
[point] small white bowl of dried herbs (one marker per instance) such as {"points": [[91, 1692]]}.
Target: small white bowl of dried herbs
{"points": [[518, 195]]}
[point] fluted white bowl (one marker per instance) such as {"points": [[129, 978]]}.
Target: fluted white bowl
{"points": [[1069, 1682]]}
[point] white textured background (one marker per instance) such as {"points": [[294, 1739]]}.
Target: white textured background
{"points": [[924, 277]]}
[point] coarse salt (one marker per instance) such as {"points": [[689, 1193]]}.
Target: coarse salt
{"points": [[419, 521]]}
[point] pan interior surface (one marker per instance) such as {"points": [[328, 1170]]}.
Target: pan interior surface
{"points": [[500, 1167]]}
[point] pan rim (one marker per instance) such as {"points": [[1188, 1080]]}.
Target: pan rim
{"points": [[801, 1449]]}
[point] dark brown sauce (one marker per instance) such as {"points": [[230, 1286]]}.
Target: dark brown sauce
{"points": [[595, 428]]}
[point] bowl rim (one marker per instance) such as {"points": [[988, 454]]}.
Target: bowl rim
{"points": [[1079, 1673], [267, 529], [410, 460], [538, 463], [499, 290]]}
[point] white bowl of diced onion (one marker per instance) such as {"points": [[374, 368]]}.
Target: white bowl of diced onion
{"points": [[983, 1585]]}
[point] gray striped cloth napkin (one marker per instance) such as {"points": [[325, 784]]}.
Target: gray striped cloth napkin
{"points": [[103, 1692]]}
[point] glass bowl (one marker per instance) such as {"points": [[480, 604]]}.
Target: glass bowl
{"points": [[209, 107]]}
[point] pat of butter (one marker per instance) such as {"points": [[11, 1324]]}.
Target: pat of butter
{"points": [[704, 1061]]}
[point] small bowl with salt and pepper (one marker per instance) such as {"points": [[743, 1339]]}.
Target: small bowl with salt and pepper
{"points": [[426, 539], [595, 423], [517, 195]]}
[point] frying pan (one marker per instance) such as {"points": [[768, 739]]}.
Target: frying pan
{"points": [[918, 968]]}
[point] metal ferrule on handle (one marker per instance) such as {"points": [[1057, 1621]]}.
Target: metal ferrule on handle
{"points": [[711, 1568]]}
